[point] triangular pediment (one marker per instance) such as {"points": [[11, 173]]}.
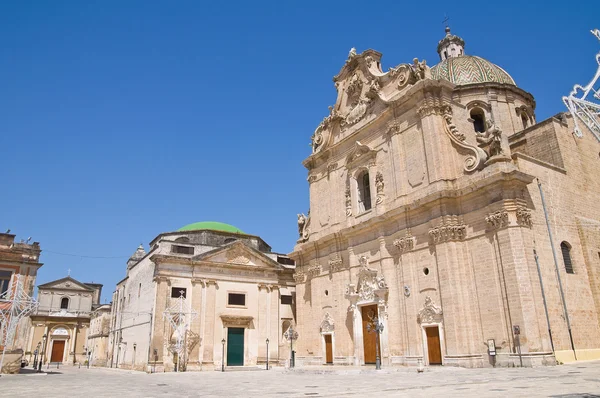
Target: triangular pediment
{"points": [[66, 283], [238, 253]]}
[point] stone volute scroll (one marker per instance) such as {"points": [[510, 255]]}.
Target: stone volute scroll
{"points": [[303, 227], [430, 313], [327, 326], [477, 157]]}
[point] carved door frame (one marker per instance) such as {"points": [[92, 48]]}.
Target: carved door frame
{"points": [[440, 327], [357, 325]]}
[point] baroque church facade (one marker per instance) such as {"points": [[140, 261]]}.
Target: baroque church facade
{"points": [[443, 210], [204, 297]]}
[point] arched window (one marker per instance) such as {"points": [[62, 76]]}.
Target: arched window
{"points": [[565, 248], [524, 119], [64, 303], [364, 191], [478, 118]]}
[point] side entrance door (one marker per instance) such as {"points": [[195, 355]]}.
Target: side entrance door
{"points": [[433, 345], [328, 349], [58, 349], [235, 346]]}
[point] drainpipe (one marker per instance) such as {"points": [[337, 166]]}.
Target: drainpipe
{"points": [[560, 287], [537, 263]]}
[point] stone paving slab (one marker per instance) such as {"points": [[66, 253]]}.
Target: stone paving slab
{"points": [[574, 380]]}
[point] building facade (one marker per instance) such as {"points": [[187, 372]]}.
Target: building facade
{"points": [[62, 320], [19, 264], [205, 296], [426, 216], [97, 339]]}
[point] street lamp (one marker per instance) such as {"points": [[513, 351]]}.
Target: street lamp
{"points": [[374, 326], [223, 356], [267, 353], [35, 354], [290, 336], [45, 339]]}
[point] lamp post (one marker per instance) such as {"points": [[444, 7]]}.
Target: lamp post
{"points": [[223, 356], [290, 336], [35, 354], [374, 326], [267, 353], [45, 339]]}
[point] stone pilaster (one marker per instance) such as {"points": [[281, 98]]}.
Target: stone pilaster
{"points": [[160, 325], [210, 326]]}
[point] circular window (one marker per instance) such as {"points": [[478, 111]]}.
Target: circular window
{"points": [[426, 271], [327, 292]]}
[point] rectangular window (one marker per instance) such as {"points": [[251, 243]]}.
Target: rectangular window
{"points": [[236, 299], [177, 292], [4, 281], [286, 299], [182, 249]]}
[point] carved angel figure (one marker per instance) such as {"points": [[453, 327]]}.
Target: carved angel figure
{"points": [[303, 227], [492, 137], [420, 69], [379, 184]]}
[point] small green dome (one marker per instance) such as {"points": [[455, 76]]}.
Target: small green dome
{"points": [[213, 226]]}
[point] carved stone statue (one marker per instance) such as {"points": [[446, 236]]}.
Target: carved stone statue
{"points": [[379, 182], [491, 138], [351, 53], [420, 69], [303, 224]]}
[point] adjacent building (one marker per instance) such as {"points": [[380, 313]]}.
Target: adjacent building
{"points": [[432, 193], [19, 264], [204, 296], [62, 321]]}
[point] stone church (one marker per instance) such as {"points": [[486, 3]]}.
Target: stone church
{"points": [[441, 209], [203, 297]]}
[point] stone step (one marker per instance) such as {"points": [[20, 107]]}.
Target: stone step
{"points": [[241, 368]]}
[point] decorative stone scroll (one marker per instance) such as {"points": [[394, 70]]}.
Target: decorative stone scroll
{"points": [[379, 185], [498, 219], [524, 217], [327, 326], [478, 156], [430, 313], [405, 244], [450, 229], [303, 227]]}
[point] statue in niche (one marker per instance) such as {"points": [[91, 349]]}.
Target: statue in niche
{"points": [[491, 138]]}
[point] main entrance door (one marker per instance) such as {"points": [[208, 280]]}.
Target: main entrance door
{"points": [[58, 349], [369, 312], [328, 349], [433, 345], [235, 346]]}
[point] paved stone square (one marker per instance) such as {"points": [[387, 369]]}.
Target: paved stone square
{"points": [[575, 380]]}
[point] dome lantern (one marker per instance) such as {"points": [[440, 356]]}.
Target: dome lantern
{"points": [[450, 46]]}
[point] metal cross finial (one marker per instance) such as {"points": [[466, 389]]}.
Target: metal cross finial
{"points": [[69, 272], [446, 19]]}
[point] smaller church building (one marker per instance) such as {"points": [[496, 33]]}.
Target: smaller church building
{"points": [[204, 296]]}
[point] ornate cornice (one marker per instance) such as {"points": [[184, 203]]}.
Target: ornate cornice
{"points": [[450, 229], [336, 264], [299, 276], [430, 313], [497, 219], [405, 244], [524, 217]]}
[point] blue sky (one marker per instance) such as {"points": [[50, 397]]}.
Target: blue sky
{"points": [[122, 120]]}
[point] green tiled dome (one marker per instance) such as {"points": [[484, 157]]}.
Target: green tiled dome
{"points": [[468, 69], [211, 225]]}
